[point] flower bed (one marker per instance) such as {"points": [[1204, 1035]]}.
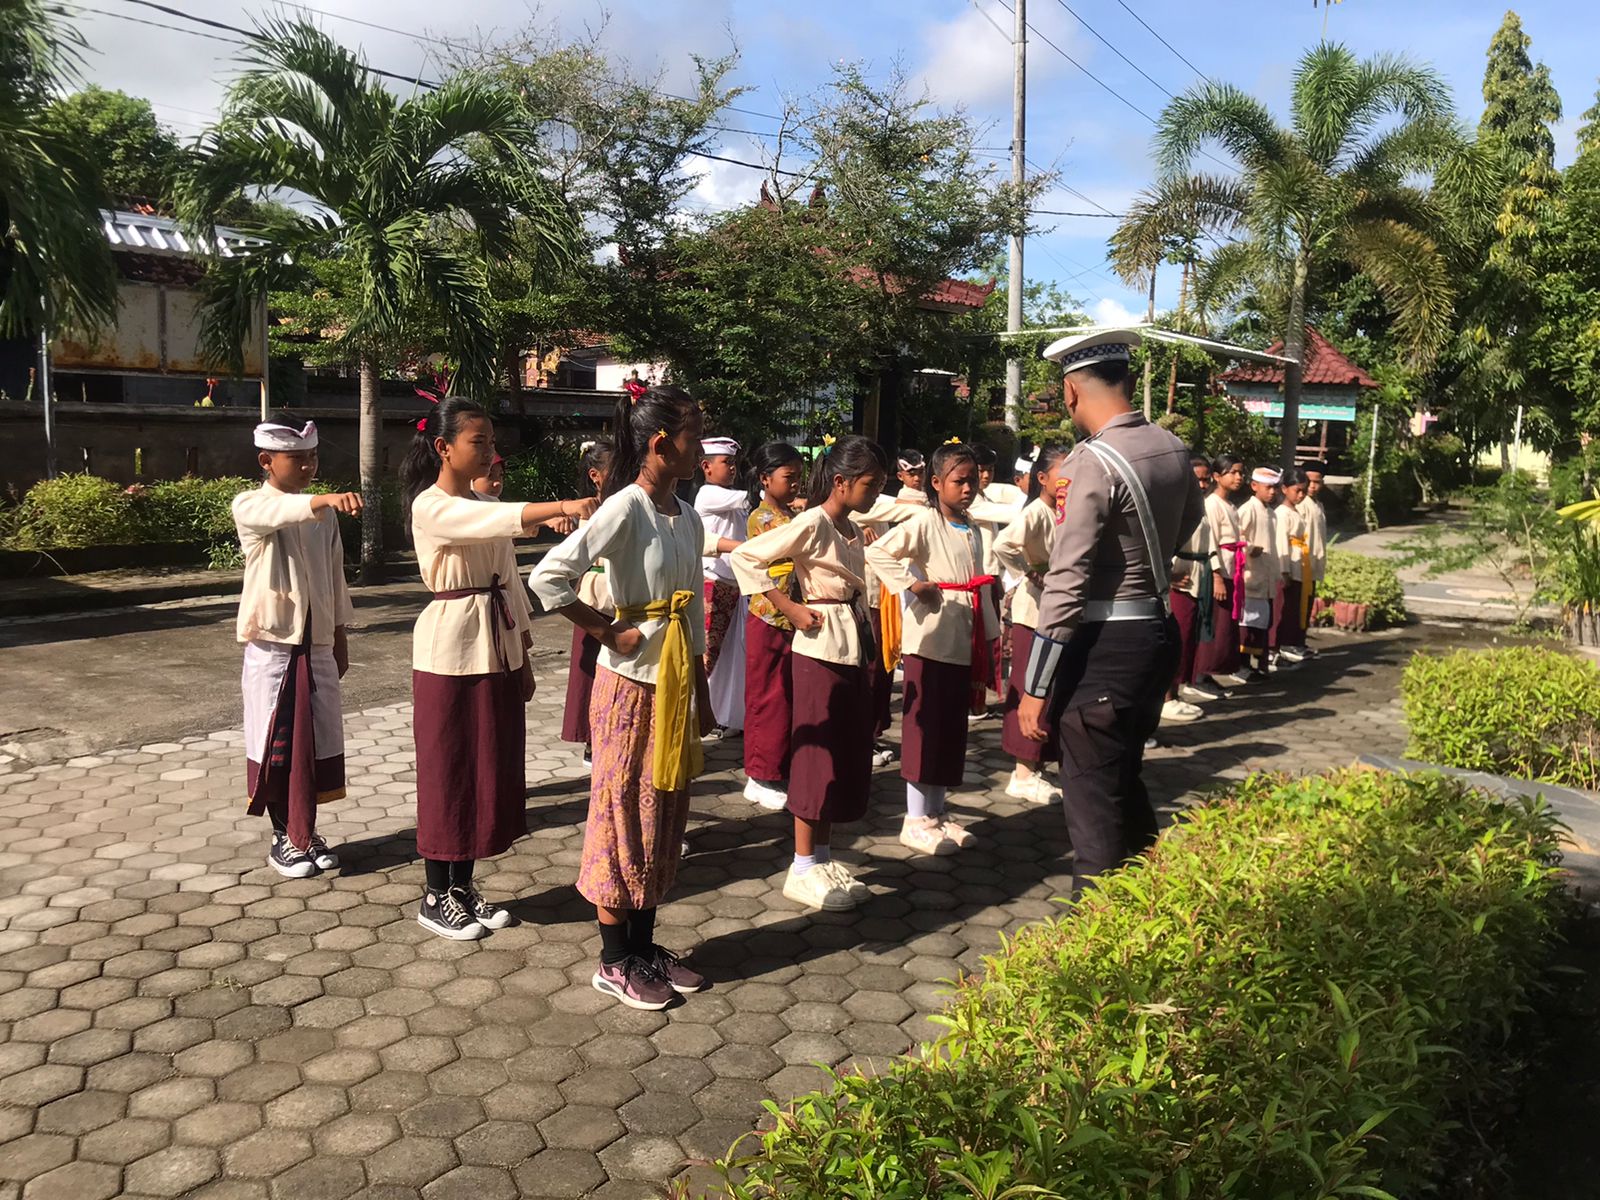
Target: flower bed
{"points": [[1359, 592], [1290, 997]]}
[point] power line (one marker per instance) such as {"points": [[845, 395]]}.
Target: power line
{"points": [[1113, 91], [158, 25], [1113, 48], [1162, 40]]}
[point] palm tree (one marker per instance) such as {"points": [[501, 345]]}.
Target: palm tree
{"points": [[55, 267], [413, 195], [1165, 224], [1334, 186]]}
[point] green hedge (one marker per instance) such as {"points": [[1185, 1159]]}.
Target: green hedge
{"points": [[1360, 579], [1288, 998], [1524, 711]]}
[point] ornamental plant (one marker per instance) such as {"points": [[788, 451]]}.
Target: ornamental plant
{"points": [[1368, 589], [1525, 711], [1291, 995]]}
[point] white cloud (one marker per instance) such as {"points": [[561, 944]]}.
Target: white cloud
{"points": [[1112, 312], [724, 185], [968, 60]]}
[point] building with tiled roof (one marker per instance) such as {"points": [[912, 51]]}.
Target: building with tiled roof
{"points": [[1325, 366], [1331, 387]]}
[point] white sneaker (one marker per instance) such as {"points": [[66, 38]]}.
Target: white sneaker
{"points": [[817, 888], [926, 836], [325, 859], [841, 875], [960, 835], [1151, 744], [769, 796], [1201, 693], [1035, 789], [1180, 711], [1293, 653], [1276, 664], [1228, 681], [973, 718], [883, 754]]}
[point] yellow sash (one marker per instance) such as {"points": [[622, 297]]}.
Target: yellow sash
{"points": [[678, 755], [1304, 545], [889, 623]]}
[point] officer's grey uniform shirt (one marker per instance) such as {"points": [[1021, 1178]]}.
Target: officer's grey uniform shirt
{"points": [[1099, 551]]}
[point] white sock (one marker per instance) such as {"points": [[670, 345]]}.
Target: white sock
{"points": [[804, 863], [924, 800]]}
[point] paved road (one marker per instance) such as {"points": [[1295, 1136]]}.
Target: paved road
{"points": [[180, 1021], [75, 685]]}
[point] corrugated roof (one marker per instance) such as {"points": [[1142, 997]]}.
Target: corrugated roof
{"points": [[146, 233], [1325, 366]]}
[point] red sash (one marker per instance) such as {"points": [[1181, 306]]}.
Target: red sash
{"points": [[981, 666], [1240, 553]]}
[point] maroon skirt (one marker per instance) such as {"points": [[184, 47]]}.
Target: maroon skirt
{"points": [[933, 736], [1024, 749], [1220, 656], [768, 699], [1286, 627], [1186, 612], [470, 732], [580, 684], [880, 679], [830, 741]]}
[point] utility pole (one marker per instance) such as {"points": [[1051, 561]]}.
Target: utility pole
{"points": [[46, 389], [1150, 319], [1019, 104]]}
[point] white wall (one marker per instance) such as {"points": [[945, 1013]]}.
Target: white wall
{"points": [[609, 374]]}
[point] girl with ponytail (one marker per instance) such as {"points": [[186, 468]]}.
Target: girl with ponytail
{"points": [[650, 706], [470, 673], [831, 723]]}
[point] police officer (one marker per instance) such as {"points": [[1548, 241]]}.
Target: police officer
{"points": [[1107, 647]]}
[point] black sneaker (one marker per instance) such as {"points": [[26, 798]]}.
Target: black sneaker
{"points": [[325, 859], [490, 916], [444, 913], [288, 859]]}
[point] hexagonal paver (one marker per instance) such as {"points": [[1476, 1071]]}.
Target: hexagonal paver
{"points": [[472, 1183], [659, 1113], [75, 1181], [499, 1144], [411, 1161], [218, 1124], [322, 1178], [560, 1173], [357, 1135], [173, 1171], [442, 1116], [581, 1127], [267, 1153]]}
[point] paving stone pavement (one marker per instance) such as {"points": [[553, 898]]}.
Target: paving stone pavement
{"points": [[178, 1020]]}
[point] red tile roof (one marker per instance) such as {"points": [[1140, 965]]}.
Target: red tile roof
{"points": [[1325, 366]]}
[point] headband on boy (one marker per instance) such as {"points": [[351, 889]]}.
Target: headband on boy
{"points": [[907, 465], [1264, 475], [1023, 466], [278, 438], [713, 447]]}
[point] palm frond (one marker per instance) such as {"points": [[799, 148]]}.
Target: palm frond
{"points": [[1339, 99], [1217, 112], [1225, 275], [1412, 276]]}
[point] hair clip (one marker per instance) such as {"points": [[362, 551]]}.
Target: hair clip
{"points": [[952, 441], [422, 425], [828, 439]]}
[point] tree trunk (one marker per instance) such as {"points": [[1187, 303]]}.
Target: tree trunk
{"points": [[1172, 374], [371, 473], [1294, 346], [513, 369]]}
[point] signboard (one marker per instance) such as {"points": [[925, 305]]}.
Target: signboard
{"points": [[1316, 403], [1308, 411], [157, 330]]}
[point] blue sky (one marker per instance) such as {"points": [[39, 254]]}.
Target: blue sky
{"points": [[953, 47]]}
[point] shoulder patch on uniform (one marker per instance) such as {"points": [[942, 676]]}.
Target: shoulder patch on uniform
{"points": [[1061, 500]]}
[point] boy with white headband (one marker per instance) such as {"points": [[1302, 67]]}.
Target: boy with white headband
{"points": [[724, 509], [292, 617], [1258, 529]]}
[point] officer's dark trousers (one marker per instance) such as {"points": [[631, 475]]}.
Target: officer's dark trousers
{"points": [[1109, 690]]}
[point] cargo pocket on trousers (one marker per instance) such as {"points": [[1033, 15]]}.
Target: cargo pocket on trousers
{"points": [[1091, 737]]}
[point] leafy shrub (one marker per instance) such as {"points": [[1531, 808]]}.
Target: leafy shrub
{"points": [[1354, 578], [73, 511], [1290, 997], [1229, 429], [1524, 711], [545, 470], [1443, 465]]}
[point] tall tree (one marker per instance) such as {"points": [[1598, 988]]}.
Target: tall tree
{"points": [[135, 155], [1488, 369], [377, 182], [1335, 185], [55, 267]]}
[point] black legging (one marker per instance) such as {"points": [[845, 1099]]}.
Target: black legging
{"points": [[443, 876]]}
